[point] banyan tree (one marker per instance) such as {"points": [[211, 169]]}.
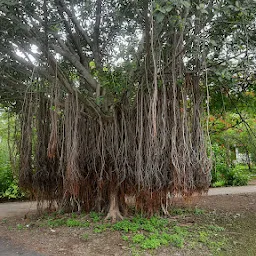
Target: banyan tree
{"points": [[111, 96]]}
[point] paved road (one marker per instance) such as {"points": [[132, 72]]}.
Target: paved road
{"points": [[232, 190], [16, 209], [8, 249]]}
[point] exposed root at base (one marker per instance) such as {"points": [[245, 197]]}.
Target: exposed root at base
{"points": [[114, 216], [114, 212]]}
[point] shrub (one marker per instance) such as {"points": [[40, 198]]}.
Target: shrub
{"points": [[222, 175], [8, 184], [237, 178]]}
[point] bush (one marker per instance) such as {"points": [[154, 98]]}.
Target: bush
{"points": [[8, 184], [237, 178], [222, 175]]}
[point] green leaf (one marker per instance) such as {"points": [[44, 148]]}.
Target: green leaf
{"points": [[186, 4], [168, 8], [159, 17], [92, 65], [105, 69]]}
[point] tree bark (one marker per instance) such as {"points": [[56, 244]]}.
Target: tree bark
{"points": [[114, 212]]}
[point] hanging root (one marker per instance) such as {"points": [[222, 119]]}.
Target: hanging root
{"points": [[114, 212]]}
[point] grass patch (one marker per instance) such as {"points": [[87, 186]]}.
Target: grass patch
{"points": [[95, 217], [142, 234], [101, 228]]}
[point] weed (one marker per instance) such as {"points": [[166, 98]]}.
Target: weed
{"points": [[151, 243], [73, 215], [180, 230], [4, 220], [96, 217], [76, 223], [61, 212], [138, 238], [126, 226], [125, 238], [101, 228], [85, 236], [20, 226], [177, 240], [53, 223], [203, 237], [178, 211], [216, 228], [198, 211], [148, 227], [135, 251]]}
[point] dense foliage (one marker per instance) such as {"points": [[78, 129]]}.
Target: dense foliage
{"points": [[8, 180]]}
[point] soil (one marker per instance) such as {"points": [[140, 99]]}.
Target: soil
{"points": [[235, 212]]}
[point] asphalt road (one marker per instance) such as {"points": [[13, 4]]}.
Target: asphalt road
{"points": [[7, 248]]}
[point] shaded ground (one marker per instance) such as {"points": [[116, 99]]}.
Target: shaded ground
{"points": [[8, 249], [235, 212]]}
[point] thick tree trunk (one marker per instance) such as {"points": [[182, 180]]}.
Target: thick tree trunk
{"points": [[114, 212]]}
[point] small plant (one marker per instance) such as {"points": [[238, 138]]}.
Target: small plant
{"points": [[138, 238], [180, 230], [85, 236], [198, 211], [101, 228], [216, 228], [177, 240], [151, 243], [76, 223], [4, 220], [96, 217], [126, 226], [177, 211], [219, 183], [125, 238], [20, 226], [53, 223], [203, 237], [73, 215]]}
